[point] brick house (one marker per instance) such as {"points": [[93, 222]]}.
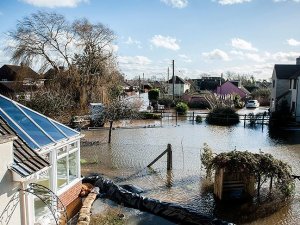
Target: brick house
{"points": [[230, 88], [16, 80], [37, 150]]}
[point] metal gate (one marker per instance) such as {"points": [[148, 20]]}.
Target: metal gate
{"points": [[48, 197]]}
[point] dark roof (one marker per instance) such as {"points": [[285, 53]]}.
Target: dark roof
{"points": [[286, 71], [26, 161], [13, 72], [178, 80]]}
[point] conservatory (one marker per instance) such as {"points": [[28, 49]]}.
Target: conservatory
{"points": [[52, 142]]}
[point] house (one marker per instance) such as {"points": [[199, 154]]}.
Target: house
{"points": [[40, 167], [285, 88], [16, 80], [229, 88], [177, 86], [207, 83]]}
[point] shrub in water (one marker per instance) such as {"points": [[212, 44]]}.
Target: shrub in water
{"points": [[222, 115], [198, 119], [181, 108]]}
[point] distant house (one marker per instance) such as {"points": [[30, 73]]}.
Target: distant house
{"points": [[230, 88], [16, 80], [286, 88], [180, 86], [207, 83], [40, 167]]}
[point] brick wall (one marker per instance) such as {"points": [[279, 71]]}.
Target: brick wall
{"points": [[71, 194]]}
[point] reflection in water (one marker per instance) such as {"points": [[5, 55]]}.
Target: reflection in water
{"points": [[131, 150]]}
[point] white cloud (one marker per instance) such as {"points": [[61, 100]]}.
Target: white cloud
{"points": [[239, 43], [176, 3], [137, 60], [185, 58], [165, 42], [131, 41], [280, 57], [216, 54], [293, 42], [54, 3], [232, 2]]}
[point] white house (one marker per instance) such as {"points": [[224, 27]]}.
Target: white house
{"points": [[286, 88], [40, 165], [178, 85]]}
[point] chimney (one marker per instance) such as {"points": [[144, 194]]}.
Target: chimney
{"points": [[298, 61]]}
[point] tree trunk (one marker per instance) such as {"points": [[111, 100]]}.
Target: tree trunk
{"points": [[110, 128]]}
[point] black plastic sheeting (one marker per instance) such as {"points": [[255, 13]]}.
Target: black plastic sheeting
{"points": [[170, 211]]}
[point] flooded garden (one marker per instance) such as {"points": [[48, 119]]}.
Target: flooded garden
{"points": [[125, 159]]}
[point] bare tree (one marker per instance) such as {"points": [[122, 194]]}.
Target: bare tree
{"points": [[44, 37], [96, 42], [120, 109]]}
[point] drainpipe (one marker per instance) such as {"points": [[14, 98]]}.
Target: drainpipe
{"points": [[23, 204], [297, 99]]}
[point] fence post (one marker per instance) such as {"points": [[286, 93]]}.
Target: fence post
{"points": [[245, 120], [262, 122], [169, 157], [161, 117], [176, 117], [193, 117]]}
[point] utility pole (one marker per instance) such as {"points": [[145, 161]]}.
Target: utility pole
{"points": [[173, 78], [168, 81], [139, 85], [143, 83]]}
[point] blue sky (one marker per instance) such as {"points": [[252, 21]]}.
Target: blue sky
{"points": [[202, 36]]}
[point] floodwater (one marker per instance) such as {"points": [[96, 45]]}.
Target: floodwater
{"points": [[125, 160]]}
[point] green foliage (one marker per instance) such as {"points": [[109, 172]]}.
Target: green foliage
{"points": [[206, 159], [151, 116], [203, 104], [222, 115], [237, 102], [198, 119], [261, 93], [263, 166], [167, 102], [153, 95], [181, 108]]}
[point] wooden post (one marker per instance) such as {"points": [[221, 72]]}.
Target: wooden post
{"points": [[157, 158], [193, 117], [176, 117], [169, 157], [262, 123], [161, 117], [245, 120], [110, 128]]}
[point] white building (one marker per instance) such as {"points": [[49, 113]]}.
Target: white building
{"points": [[37, 153], [180, 86], [286, 88]]}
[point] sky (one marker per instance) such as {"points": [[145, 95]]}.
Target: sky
{"points": [[201, 36]]}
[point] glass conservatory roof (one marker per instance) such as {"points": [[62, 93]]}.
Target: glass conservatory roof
{"points": [[34, 128]]}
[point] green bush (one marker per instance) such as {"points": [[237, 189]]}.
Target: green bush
{"points": [[167, 102], [222, 115], [181, 108], [150, 116], [199, 105], [153, 95], [198, 119]]}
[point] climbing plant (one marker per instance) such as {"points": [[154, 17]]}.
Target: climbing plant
{"points": [[264, 167]]}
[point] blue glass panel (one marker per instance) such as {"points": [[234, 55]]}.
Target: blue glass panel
{"points": [[19, 132], [19, 118], [68, 131], [45, 124]]}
